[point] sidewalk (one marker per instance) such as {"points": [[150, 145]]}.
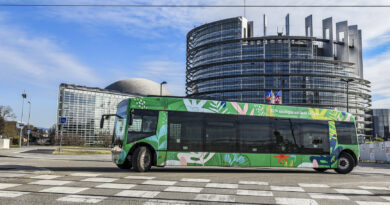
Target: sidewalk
{"points": [[43, 152]]}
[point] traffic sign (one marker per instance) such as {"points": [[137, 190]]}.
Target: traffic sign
{"points": [[28, 131], [62, 120], [19, 125]]}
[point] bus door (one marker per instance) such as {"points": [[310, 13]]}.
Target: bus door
{"points": [[220, 139], [255, 142]]}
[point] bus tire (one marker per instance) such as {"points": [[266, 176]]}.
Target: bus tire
{"points": [[126, 165], [141, 159], [320, 169], [345, 163]]}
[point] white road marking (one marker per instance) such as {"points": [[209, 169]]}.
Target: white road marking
{"points": [[313, 185], [165, 202], [82, 199], [294, 201], [194, 180], [45, 176], [253, 183], [7, 185], [99, 179], [287, 188], [254, 193], [159, 182], [374, 187], [50, 182], [64, 190], [85, 175], [11, 194], [353, 191], [184, 189], [372, 203], [139, 177], [386, 198], [10, 175], [215, 197], [328, 196], [222, 185], [137, 193], [115, 186]]}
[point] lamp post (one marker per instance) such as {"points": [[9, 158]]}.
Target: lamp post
{"points": [[161, 84], [28, 124], [348, 80], [24, 95]]}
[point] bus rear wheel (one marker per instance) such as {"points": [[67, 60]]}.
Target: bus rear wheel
{"points": [[345, 163], [141, 159], [320, 169]]}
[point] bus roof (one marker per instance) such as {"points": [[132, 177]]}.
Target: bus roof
{"points": [[238, 108]]}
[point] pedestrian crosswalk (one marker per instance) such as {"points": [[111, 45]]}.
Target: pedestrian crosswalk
{"points": [[96, 188]]}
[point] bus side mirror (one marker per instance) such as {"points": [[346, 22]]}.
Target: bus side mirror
{"points": [[102, 122], [131, 116]]}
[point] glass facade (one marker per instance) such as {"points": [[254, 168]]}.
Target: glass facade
{"points": [[381, 123], [224, 62], [83, 108]]}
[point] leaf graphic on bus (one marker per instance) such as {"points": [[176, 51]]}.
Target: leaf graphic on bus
{"points": [[218, 107], [163, 145], [161, 137]]}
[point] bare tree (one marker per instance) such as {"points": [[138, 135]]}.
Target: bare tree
{"points": [[5, 113]]}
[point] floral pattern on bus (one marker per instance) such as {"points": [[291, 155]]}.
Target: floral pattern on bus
{"points": [[188, 158]]}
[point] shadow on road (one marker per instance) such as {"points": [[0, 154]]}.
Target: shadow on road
{"points": [[188, 170]]}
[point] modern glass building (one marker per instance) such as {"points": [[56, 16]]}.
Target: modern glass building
{"points": [[84, 106], [381, 123], [226, 61]]}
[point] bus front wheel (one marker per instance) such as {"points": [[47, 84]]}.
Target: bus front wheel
{"points": [[141, 159], [345, 163]]}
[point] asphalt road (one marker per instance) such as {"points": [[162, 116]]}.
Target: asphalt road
{"points": [[39, 178]]}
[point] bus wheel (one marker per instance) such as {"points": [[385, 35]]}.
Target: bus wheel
{"points": [[126, 165], [345, 163], [142, 159], [320, 169]]}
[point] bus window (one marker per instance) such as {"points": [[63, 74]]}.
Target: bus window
{"points": [[185, 131], [346, 133], [255, 135], [220, 133], [313, 136], [286, 139], [144, 124]]}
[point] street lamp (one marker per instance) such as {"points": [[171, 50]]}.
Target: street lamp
{"points": [[28, 124], [348, 80], [24, 95], [161, 84]]}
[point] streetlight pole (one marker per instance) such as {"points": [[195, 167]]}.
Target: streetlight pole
{"points": [[348, 80], [24, 95], [28, 124], [161, 84]]}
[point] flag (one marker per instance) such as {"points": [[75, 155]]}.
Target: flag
{"points": [[269, 96], [278, 97]]}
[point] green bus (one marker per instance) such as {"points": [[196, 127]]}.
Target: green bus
{"points": [[173, 131]]}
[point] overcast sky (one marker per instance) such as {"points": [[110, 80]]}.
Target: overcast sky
{"points": [[41, 47]]}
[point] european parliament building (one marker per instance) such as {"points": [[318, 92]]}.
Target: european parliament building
{"points": [[226, 61], [84, 106]]}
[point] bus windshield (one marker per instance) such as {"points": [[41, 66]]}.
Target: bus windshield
{"points": [[120, 124]]}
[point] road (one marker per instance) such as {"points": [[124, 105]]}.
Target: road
{"points": [[41, 178]]}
